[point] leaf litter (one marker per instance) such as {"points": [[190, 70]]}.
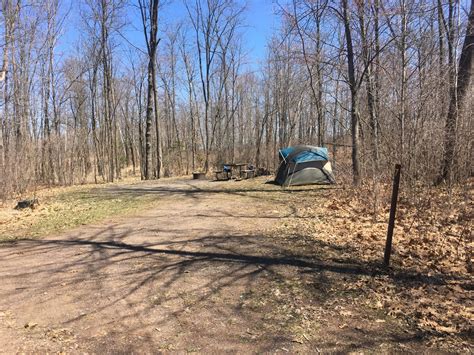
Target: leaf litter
{"points": [[429, 284]]}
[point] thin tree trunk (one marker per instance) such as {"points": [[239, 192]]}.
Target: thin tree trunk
{"points": [[354, 91]]}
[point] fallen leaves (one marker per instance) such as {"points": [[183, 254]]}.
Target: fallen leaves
{"points": [[430, 282]]}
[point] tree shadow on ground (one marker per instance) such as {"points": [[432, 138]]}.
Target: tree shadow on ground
{"points": [[137, 279], [140, 271]]}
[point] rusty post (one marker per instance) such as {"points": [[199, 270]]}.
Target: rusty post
{"points": [[391, 219]]}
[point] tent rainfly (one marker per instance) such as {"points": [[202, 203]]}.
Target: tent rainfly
{"points": [[304, 165]]}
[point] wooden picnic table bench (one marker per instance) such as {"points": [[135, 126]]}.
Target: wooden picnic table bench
{"points": [[238, 166], [236, 171], [248, 174], [225, 175]]}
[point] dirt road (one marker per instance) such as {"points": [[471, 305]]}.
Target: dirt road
{"points": [[169, 279], [199, 273]]}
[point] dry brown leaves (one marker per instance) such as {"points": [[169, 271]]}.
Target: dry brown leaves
{"points": [[430, 281]]}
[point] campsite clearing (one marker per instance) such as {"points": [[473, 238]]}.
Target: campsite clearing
{"points": [[234, 266]]}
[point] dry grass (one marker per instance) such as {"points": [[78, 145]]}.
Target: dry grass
{"points": [[64, 208]]}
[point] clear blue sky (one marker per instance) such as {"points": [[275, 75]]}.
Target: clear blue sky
{"points": [[259, 23], [262, 22]]}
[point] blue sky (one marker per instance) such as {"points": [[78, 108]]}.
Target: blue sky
{"points": [[259, 23], [262, 22]]}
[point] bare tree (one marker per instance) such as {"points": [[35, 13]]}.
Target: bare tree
{"points": [[458, 90], [213, 22], [381, 81], [353, 85], [149, 15]]}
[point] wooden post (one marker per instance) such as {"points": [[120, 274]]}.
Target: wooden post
{"points": [[391, 219]]}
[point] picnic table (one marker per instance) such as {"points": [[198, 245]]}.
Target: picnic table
{"points": [[234, 168]]}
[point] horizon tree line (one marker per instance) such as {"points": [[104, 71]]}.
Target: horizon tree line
{"points": [[377, 82]]}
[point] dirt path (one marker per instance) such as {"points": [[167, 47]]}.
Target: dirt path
{"points": [[199, 273], [170, 279]]}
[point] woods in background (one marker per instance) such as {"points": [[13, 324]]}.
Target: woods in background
{"points": [[377, 82]]}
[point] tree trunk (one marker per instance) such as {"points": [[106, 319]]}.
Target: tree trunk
{"points": [[457, 98], [149, 14], [354, 90]]}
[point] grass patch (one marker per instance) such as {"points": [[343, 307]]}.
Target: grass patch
{"points": [[69, 209]]}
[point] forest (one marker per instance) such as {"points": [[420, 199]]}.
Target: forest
{"points": [[377, 82], [116, 115]]}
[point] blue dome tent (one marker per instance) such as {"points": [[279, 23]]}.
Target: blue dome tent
{"points": [[304, 165]]}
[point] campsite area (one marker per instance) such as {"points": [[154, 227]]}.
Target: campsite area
{"points": [[181, 265], [236, 176]]}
